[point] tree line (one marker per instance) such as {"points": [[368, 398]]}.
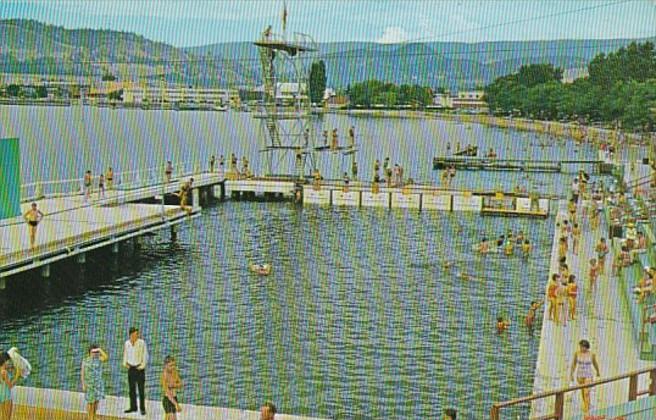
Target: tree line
{"points": [[619, 90]]}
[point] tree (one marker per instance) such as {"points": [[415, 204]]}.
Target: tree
{"points": [[108, 77], [116, 95], [317, 81], [41, 92]]}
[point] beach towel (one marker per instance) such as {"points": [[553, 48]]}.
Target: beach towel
{"points": [[20, 362]]}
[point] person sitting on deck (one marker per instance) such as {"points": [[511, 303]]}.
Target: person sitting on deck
{"points": [[639, 248], [645, 285], [622, 260]]}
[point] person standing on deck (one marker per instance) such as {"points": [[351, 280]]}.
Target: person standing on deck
{"points": [[87, 185], [306, 137], [101, 186], [168, 171], [92, 381], [583, 362], [171, 383], [354, 169], [325, 138], [576, 189], [602, 250], [221, 164], [110, 178], [352, 136], [335, 144], [212, 161], [7, 382], [33, 217], [135, 359]]}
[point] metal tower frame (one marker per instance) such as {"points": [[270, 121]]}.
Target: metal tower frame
{"points": [[284, 122]]}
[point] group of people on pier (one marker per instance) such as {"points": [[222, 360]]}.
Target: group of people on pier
{"points": [[135, 360]]}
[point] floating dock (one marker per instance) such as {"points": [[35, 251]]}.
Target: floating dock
{"points": [[422, 197], [525, 165]]}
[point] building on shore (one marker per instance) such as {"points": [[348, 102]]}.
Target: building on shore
{"points": [[466, 101], [188, 95]]}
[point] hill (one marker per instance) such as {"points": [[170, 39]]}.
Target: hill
{"points": [[28, 46]]}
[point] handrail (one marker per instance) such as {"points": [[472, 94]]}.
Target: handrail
{"points": [[560, 393]]}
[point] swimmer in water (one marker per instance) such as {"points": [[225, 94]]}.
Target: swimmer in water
{"points": [[483, 246], [508, 248], [529, 321], [502, 325]]}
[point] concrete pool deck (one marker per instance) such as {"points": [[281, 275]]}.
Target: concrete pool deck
{"points": [[52, 404], [602, 319]]}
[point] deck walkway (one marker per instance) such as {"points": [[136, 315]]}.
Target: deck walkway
{"points": [[72, 226], [51, 404], [603, 320]]}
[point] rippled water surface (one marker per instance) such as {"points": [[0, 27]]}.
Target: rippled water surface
{"points": [[360, 316]]}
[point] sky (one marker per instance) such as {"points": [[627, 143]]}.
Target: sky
{"points": [[199, 22]]}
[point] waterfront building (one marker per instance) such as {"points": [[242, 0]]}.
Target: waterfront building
{"points": [[211, 96]]}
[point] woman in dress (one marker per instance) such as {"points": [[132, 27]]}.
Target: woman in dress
{"points": [[584, 361], [7, 382], [171, 383], [92, 381]]}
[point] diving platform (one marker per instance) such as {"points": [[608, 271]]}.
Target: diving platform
{"points": [[525, 165]]}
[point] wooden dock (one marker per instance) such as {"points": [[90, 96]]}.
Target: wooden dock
{"points": [[495, 164], [72, 226]]}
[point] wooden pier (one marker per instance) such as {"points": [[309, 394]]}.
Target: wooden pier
{"points": [[524, 165], [72, 226]]}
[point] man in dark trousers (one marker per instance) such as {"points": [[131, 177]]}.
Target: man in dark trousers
{"points": [[135, 358]]}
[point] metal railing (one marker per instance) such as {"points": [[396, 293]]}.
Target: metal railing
{"points": [[559, 394], [126, 180]]}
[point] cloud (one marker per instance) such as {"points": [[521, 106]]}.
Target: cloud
{"points": [[393, 35]]}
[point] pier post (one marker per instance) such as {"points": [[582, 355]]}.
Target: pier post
{"points": [[195, 197], [136, 243], [81, 258], [3, 283], [223, 192], [45, 271], [174, 234], [115, 248]]}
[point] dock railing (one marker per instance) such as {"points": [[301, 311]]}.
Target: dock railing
{"points": [[125, 180], [559, 394]]}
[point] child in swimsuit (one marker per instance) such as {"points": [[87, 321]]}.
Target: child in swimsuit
{"points": [[593, 272], [572, 292]]}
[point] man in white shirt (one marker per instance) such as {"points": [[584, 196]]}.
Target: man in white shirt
{"points": [[135, 358]]}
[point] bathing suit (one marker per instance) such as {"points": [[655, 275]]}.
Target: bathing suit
{"points": [[33, 223], [584, 368]]}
